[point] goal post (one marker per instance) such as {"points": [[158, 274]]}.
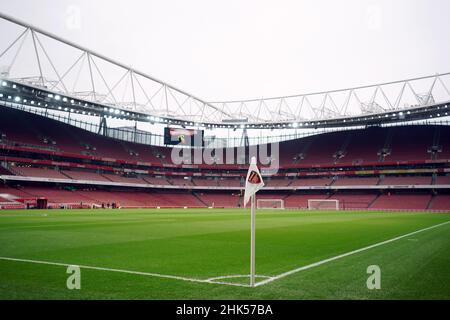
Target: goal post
{"points": [[323, 204], [270, 203]]}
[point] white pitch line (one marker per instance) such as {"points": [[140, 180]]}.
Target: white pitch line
{"points": [[285, 274], [229, 283], [237, 276], [158, 275]]}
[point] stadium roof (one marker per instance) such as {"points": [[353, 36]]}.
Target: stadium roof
{"points": [[59, 74]]}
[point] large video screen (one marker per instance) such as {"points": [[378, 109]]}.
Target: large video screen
{"points": [[180, 136]]}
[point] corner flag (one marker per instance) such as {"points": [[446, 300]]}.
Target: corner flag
{"points": [[253, 183]]}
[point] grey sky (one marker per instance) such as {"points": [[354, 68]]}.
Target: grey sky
{"points": [[221, 50]]}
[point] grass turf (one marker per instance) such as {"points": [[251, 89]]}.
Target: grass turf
{"points": [[205, 243]]}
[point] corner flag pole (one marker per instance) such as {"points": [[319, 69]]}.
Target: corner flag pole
{"points": [[253, 183], [252, 243]]}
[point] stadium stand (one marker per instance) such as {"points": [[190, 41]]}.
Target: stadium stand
{"points": [[38, 172], [354, 201], [219, 199], [156, 180], [405, 180], [278, 182], [205, 182], [84, 175], [410, 144], [311, 182], [4, 171], [301, 200], [346, 147], [401, 201], [441, 202], [180, 181], [356, 181], [120, 178], [443, 180], [371, 158], [364, 146], [227, 182]]}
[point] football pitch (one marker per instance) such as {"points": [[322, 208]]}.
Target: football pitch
{"points": [[204, 254]]}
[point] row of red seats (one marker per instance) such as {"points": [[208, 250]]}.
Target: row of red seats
{"points": [[231, 182]]}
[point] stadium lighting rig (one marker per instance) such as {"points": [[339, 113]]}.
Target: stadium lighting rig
{"points": [[26, 94]]}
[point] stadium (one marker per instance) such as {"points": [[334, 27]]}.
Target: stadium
{"points": [[141, 184]]}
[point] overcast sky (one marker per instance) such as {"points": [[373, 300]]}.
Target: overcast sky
{"points": [[221, 50]]}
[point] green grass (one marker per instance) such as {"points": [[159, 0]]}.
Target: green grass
{"points": [[205, 243]]}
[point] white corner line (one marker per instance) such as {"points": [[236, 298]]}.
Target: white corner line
{"points": [[309, 266], [158, 275]]}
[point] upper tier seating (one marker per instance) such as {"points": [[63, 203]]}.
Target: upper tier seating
{"points": [[364, 146], [404, 143], [410, 145]]}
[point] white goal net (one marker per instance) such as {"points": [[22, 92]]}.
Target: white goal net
{"points": [[270, 203], [323, 204]]}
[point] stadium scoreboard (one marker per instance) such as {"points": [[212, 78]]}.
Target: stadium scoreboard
{"points": [[181, 136]]}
